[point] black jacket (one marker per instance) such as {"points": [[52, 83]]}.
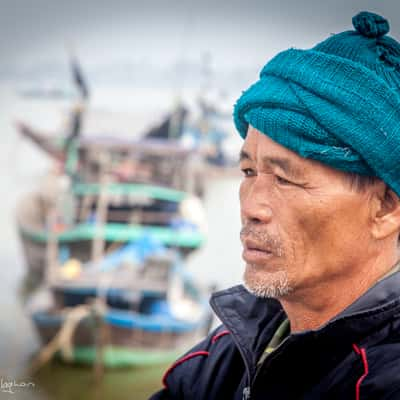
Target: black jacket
{"points": [[354, 356]]}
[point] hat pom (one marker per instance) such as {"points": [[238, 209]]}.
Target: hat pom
{"points": [[370, 25]]}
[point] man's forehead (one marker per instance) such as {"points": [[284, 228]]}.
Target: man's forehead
{"points": [[258, 146]]}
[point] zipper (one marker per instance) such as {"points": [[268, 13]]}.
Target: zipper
{"points": [[246, 390], [246, 393]]}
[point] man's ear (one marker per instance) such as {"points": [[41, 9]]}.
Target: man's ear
{"points": [[386, 218]]}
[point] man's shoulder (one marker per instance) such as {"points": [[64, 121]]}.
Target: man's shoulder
{"points": [[384, 359], [381, 369], [199, 364], [212, 346]]}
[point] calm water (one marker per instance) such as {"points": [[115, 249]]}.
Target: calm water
{"points": [[21, 167]]}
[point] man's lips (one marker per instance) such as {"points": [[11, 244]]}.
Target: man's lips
{"points": [[252, 245], [255, 252]]}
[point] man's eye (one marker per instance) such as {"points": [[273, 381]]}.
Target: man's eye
{"points": [[282, 181], [247, 172]]}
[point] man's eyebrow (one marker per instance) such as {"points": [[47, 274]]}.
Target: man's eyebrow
{"points": [[244, 155], [285, 165]]}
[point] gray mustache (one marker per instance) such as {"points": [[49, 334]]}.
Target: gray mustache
{"points": [[255, 234]]}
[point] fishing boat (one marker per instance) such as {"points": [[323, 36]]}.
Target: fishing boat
{"points": [[87, 220], [114, 191], [150, 310], [107, 237]]}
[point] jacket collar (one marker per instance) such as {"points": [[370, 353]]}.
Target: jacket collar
{"points": [[252, 321]]}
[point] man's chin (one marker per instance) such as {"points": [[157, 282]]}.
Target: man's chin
{"points": [[265, 284]]}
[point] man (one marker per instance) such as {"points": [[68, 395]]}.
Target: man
{"points": [[320, 208]]}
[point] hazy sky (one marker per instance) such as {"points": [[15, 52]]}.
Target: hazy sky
{"points": [[235, 33]]}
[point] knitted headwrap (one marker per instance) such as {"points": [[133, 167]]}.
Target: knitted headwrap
{"points": [[338, 103]]}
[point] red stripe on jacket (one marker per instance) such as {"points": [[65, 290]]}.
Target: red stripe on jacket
{"points": [[218, 335], [181, 361], [363, 354]]}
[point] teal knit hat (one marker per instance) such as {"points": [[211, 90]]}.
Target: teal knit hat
{"points": [[338, 103]]}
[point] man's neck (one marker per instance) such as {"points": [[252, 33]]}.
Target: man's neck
{"points": [[313, 308]]}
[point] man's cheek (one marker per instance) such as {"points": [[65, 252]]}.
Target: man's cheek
{"points": [[313, 226]]}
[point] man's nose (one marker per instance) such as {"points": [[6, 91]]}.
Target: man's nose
{"points": [[255, 201]]}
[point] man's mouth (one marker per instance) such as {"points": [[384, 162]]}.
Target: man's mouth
{"points": [[254, 251], [249, 244]]}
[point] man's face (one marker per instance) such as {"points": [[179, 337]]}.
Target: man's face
{"points": [[303, 228]]}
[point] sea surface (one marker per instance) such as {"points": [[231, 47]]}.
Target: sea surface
{"points": [[112, 111]]}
